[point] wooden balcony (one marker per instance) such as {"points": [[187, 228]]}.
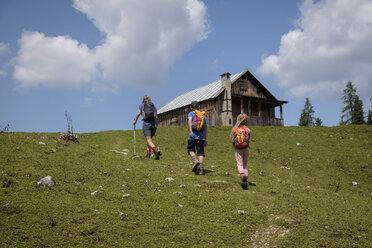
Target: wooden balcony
{"points": [[263, 121]]}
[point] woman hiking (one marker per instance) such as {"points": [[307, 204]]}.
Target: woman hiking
{"points": [[149, 117]]}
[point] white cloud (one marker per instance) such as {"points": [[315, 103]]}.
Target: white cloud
{"points": [[4, 48], [143, 39], [53, 62], [331, 46]]}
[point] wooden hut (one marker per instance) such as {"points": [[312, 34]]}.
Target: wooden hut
{"points": [[224, 100]]}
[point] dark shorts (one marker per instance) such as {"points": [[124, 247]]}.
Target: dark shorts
{"points": [[198, 144], [149, 128]]}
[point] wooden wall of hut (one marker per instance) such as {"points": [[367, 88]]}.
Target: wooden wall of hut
{"points": [[178, 117], [245, 87]]}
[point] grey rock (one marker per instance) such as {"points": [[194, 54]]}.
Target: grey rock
{"points": [[46, 181]]}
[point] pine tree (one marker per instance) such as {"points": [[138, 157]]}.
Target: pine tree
{"points": [[348, 99], [369, 117], [318, 122], [307, 114], [357, 115]]}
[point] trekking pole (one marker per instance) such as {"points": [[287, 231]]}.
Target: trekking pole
{"points": [[134, 139], [156, 140]]}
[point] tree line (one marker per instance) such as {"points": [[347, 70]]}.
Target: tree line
{"points": [[352, 112]]}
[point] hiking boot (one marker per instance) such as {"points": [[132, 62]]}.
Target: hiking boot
{"points": [[195, 168], [244, 182], [148, 155], [201, 171], [252, 184], [157, 154]]}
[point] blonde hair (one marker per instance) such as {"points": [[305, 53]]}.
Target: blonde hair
{"points": [[242, 119], [146, 98]]}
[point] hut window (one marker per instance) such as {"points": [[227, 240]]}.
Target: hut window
{"points": [[186, 109], [243, 86]]}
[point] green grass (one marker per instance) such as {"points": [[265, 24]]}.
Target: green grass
{"points": [[304, 196]]}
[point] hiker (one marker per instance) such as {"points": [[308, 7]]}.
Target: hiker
{"points": [[149, 117], [241, 135], [197, 137]]}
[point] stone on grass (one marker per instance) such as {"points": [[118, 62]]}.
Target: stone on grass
{"points": [[299, 144], [41, 143], [241, 212], [217, 181], [123, 216], [355, 183], [46, 181], [126, 195], [117, 152], [169, 179]]}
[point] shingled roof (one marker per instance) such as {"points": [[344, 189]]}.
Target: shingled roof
{"points": [[203, 93]]}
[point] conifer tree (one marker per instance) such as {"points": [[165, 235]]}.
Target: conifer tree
{"points": [[348, 98], [369, 116], [318, 122], [357, 114], [307, 114]]}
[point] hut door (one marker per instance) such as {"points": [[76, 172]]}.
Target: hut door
{"points": [[211, 118]]}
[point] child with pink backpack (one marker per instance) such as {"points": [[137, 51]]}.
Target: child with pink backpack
{"points": [[241, 135]]}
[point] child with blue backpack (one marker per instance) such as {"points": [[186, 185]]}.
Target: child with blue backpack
{"points": [[197, 137], [241, 135]]}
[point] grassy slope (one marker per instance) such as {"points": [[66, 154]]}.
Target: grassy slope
{"points": [[304, 195]]}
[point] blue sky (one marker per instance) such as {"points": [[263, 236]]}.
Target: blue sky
{"points": [[96, 59]]}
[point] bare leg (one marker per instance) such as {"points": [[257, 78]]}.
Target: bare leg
{"points": [[152, 147], [149, 142], [195, 162], [193, 157], [201, 159]]}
